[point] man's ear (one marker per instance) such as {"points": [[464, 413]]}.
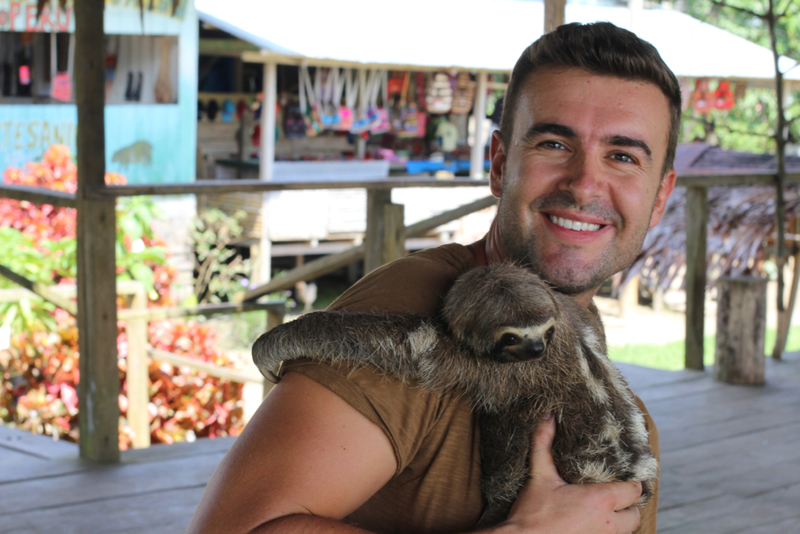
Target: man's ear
{"points": [[664, 191], [498, 163]]}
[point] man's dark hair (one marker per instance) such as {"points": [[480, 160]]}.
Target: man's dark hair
{"points": [[598, 48]]}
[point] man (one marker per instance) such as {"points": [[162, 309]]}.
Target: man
{"points": [[583, 167]]}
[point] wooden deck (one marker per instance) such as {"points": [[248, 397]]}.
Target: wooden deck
{"points": [[730, 463]]}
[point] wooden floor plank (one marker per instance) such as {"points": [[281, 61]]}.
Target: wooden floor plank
{"points": [[106, 482], [730, 464], [36, 445], [164, 512]]}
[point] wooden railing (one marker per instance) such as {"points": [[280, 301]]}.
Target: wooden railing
{"points": [[383, 242], [696, 237], [137, 316]]}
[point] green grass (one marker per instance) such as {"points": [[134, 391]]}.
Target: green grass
{"points": [[669, 356]]}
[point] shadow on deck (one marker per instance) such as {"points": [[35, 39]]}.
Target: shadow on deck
{"points": [[730, 459]]}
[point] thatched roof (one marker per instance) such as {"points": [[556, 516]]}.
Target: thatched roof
{"points": [[741, 219]]}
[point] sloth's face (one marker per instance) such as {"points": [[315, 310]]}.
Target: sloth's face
{"points": [[522, 344]]}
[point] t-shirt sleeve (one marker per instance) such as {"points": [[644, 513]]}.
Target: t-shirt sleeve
{"points": [[650, 511], [404, 412]]}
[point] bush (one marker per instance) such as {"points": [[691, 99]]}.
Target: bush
{"points": [[40, 368]]}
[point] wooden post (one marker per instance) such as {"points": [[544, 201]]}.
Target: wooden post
{"points": [[554, 14], [266, 167], [696, 229], [98, 392], [741, 323], [363, 107], [785, 317], [385, 236], [629, 298], [137, 375], [477, 155]]}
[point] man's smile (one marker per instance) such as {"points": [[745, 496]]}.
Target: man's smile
{"points": [[575, 229], [574, 225]]}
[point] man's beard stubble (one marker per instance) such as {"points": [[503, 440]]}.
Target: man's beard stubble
{"points": [[523, 248]]}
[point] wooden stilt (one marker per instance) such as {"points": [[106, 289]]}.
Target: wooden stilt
{"points": [[98, 392], [696, 229], [385, 235], [267, 164], [477, 155], [137, 375], [741, 323], [554, 14], [785, 317]]}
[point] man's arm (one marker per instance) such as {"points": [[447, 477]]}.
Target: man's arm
{"points": [[305, 451], [308, 459]]}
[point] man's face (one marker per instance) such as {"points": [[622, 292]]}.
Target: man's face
{"points": [[580, 182]]}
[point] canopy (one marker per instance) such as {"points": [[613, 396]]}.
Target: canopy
{"points": [[473, 35]]}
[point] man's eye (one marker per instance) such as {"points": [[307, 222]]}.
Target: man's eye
{"points": [[553, 144], [624, 158]]}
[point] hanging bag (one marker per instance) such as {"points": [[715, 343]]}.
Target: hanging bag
{"points": [[345, 112], [309, 101]]}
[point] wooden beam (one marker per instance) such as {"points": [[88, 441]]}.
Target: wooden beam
{"points": [[156, 314], [306, 271], [477, 154], [137, 373], [696, 230], [266, 168], [554, 14], [385, 235], [98, 392], [213, 187], [731, 179], [37, 195], [425, 226], [39, 289], [208, 368]]}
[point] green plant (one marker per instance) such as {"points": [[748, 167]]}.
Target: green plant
{"points": [[220, 269], [670, 356]]}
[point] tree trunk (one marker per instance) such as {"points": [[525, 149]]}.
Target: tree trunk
{"points": [[741, 323]]}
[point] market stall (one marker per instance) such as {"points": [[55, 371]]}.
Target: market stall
{"points": [[151, 86]]}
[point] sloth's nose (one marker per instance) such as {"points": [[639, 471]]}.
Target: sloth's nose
{"points": [[530, 349]]}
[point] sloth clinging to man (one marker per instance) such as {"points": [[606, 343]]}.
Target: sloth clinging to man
{"points": [[583, 167]]}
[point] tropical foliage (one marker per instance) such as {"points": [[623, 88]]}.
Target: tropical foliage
{"points": [[40, 364]]}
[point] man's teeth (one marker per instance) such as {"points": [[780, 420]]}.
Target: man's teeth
{"points": [[574, 225]]}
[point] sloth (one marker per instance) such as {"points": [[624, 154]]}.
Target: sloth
{"points": [[517, 350]]}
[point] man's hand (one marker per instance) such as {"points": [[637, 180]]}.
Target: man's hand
{"points": [[547, 504]]}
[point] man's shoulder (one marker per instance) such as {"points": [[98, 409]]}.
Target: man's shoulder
{"points": [[415, 283]]}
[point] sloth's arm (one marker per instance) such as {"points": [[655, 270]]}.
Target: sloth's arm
{"points": [[305, 460], [391, 343]]}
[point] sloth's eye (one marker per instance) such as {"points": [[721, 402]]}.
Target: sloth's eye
{"points": [[510, 339], [549, 334]]}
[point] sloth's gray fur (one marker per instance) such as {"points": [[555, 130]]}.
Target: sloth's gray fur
{"points": [[601, 435]]}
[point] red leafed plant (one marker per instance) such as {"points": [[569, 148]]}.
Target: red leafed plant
{"points": [[40, 368]]}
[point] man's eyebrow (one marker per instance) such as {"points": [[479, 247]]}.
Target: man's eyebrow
{"points": [[621, 140], [549, 128]]}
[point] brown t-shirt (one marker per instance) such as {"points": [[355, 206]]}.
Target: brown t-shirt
{"points": [[436, 488]]}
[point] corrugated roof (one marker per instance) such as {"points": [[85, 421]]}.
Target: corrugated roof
{"points": [[468, 34]]}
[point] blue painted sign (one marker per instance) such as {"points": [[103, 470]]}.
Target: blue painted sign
{"points": [[148, 143]]}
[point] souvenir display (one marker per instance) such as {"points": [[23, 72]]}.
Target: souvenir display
{"points": [[309, 101], [446, 135], [723, 96], [464, 94], [293, 124], [439, 94], [228, 110], [702, 97]]}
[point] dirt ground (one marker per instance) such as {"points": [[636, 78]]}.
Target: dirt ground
{"points": [[643, 325]]}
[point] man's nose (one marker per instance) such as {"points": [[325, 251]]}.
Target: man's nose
{"points": [[584, 179]]}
